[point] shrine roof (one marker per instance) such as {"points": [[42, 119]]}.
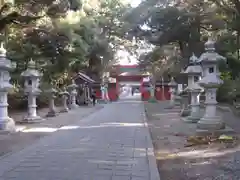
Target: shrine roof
{"points": [[83, 77]]}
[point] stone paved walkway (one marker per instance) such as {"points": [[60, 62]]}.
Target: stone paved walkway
{"points": [[29, 133], [112, 144]]}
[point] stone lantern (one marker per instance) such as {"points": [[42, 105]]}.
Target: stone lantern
{"points": [[173, 90], [51, 95], [104, 93], [73, 94], [7, 124], [31, 89], [210, 81], [193, 72], [64, 94]]}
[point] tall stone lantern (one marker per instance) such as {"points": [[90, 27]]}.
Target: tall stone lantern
{"points": [[152, 98], [51, 96], [210, 81], [173, 90], [104, 93], [64, 95], [7, 124], [193, 71], [73, 93], [31, 89]]}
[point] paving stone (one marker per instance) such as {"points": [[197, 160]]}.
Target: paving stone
{"points": [[121, 177]]}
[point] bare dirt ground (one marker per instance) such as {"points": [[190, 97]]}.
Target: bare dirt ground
{"points": [[30, 133], [178, 160]]}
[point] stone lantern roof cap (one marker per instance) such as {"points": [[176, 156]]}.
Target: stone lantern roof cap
{"points": [[193, 69], [193, 59], [31, 71], [51, 90], [172, 83], [3, 51], [210, 45], [210, 56], [5, 64], [73, 85], [211, 80], [64, 92]]}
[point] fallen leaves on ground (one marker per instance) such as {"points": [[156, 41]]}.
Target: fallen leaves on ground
{"points": [[204, 140]]}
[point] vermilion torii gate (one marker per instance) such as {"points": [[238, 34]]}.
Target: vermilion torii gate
{"points": [[132, 73], [126, 74]]}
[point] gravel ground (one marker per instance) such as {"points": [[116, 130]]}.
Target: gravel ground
{"points": [[216, 161]]}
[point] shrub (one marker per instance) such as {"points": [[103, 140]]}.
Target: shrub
{"points": [[225, 92], [229, 91]]}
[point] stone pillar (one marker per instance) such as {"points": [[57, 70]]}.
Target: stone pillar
{"points": [[152, 94], [73, 93], [88, 94], [102, 93], [172, 97], [51, 95], [103, 97], [81, 96], [31, 89], [210, 120], [195, 104], [73, 99], [7, 124], [211, 81], [85, 93], [173, 90], [184, 105], [65, 96], [178, 99], [106, 93], [163, 91]]}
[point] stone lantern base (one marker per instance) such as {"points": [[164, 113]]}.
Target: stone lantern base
{"points": [[64, 110], [101, 101], [211, 123], [52, 113], [7, 125], [74, 106], [32, 119], [178, 101], [170, 106], [176, 104], [185, 112], [194, 116], [185, 106], [207, 126], [152, 100]]}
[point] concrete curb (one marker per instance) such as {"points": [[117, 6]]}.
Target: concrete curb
{"points": [[152, 162]]}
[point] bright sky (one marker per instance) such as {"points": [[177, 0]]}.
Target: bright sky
{"points": [[124, 57], [135, 3]]}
